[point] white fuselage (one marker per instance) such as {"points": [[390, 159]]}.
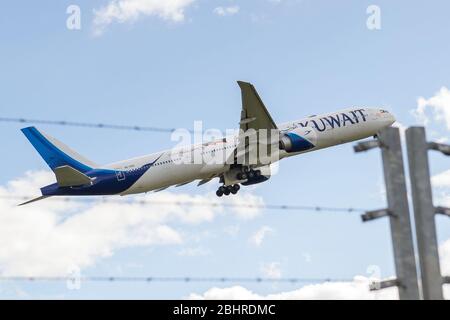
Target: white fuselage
{"points": [[323, 130]]}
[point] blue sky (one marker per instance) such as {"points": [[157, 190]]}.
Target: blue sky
{"points": [[170, 69]]}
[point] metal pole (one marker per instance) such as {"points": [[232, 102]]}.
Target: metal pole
{"points": [[424, 213], [402, 241]]}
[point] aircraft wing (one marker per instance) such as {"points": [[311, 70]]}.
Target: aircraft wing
{"points": [[254, 113], [254, 117]]}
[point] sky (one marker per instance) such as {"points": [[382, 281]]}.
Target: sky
{"points": [[168, 63]]}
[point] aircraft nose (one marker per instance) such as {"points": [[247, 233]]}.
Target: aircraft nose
{"points": [[391, 119], [385, 117]]}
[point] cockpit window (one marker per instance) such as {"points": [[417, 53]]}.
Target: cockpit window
{"points": [[383, 111]]}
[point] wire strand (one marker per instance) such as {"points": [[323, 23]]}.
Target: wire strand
{"points": [[87, 124], [171, 279], [197, 204]]}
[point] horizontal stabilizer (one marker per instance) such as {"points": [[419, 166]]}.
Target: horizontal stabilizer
{"points": [[33, 200], [67, 176]]}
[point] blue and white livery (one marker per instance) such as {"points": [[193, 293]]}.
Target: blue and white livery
{"points": [[77, 176]]}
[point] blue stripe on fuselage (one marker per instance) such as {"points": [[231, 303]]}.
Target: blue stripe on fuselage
{"points": [[106, 182]]}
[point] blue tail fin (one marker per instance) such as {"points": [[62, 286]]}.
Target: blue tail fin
{"points": [[55, 153]]}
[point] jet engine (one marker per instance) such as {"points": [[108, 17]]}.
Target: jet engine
{"points": [[297, 140]]}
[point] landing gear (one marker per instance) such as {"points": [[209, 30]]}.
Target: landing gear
{"points": [[253, 174], [248, 174], [226, 190], [241, 176]]}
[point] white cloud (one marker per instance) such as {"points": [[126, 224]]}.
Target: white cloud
{"points": [[271, 270], [48, 237], [438, 105], [226, 11], [258, 237], [122, 11], [441, 188], [358, 289], [441, 180], [444, 253], [246, 205], [431, 112]]}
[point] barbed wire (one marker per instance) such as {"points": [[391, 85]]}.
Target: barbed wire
{"points": [[88, 125], [195, 204], [172, 279]]}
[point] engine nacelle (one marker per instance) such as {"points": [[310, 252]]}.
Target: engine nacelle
{"points": [[297, 140], [264, 176]]}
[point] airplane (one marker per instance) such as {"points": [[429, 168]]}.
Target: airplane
{"points": [[77, 176]]}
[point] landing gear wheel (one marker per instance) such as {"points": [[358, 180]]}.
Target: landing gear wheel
{"points": [[235, 189], [221, 191], [257, 173], [251, 174], [227, 191]]}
